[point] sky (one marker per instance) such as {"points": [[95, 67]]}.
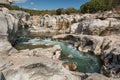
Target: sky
{"points": [[49, 4]]}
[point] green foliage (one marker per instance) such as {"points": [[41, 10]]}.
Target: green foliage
{"points": [[93, 6], [85, 8], [98, 5], [70, 10], [66, 11], [59, 11]]}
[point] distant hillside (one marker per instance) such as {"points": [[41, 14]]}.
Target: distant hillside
{"points": [[99, 5]]}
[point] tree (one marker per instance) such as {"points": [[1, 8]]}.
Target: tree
{"points": [[111, 3], [99, 5], [93, 6], [59, 11], [71, 10]]}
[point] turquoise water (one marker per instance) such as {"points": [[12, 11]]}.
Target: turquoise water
{"points": [[85, 62]]}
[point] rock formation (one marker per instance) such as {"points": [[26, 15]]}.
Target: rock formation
{"points": [[97, 27], [36, 64], [98, 34], [8, 30], [107, 47]]}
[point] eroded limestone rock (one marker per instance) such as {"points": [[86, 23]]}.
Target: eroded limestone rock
{"points": [[107, 47], [8, 30]]}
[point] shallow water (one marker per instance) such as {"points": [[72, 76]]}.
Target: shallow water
{"points": [[85, 62]]}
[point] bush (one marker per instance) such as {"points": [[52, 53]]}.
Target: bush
{"points": [[93, 6], [59, 11], [99, 5]]}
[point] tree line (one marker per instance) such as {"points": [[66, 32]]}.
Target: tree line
{"points": [[58, 11]]}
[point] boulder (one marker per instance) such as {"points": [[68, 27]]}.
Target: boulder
{"points": [[70, 66]]}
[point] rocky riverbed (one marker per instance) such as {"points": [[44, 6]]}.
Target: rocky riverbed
{"points": [[97, 34]]}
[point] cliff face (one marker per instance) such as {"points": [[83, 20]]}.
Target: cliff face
{"points": [[9, 24], [8, 28]]}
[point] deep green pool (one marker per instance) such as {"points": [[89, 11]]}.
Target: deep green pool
{"points": [[85, 62]]}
